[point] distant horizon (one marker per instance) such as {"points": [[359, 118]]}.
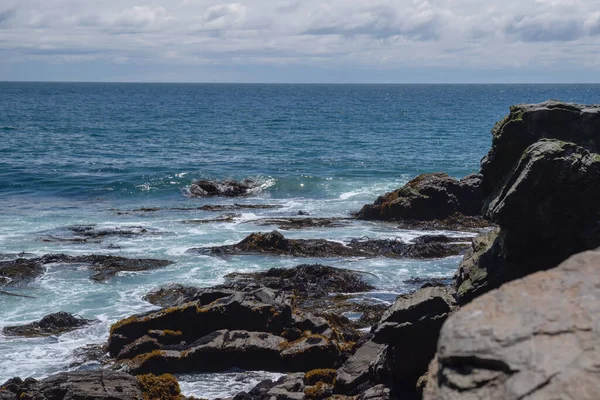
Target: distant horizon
{"points": [[303, 83]]}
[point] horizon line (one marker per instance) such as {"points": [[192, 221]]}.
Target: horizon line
{"points": [[307, 83]]}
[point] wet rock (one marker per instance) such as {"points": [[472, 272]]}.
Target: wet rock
{"points": [[410, 330], [176, 295], [536, 337], [225, 188], [93, 234], [428, 197], [92, 385], [228, 217], [20, 271], [456, 222], [420, 283], [307, 280], [53, 324], [90, 355], [208, 207], [302, 223], [276, 244], [434, 247]]}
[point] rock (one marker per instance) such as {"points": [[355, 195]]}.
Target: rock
{"points": [[91, 233], [302, 223], [262, 310], [275, 243], [410, 330], [177, 295], [228, 217], [419, 283], [20, 271], [547, 209], [207, 207], [428, 197], [53, 324], [289, 387], [308, 280], [356, 370], [536, 338], [378, 392], [455, 222], [89, 385], [528, 123], [225, 188]]}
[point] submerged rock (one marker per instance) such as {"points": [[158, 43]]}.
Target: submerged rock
{"points": [[275, 243], [225, 188], [20, 271], [536, 337], [302, 223], [91, 233], [428, 197], [53, 324]]}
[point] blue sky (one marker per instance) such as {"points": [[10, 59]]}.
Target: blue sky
{"points": [[388, 41]]}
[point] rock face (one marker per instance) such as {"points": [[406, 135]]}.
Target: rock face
{"points": [[225, 188], [276, 244], [20, 271], [542, 180], [428, 197], [533, 338], [53, 324], [409, 330]]}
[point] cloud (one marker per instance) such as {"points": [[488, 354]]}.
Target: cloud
{"points": [[375, 35]]}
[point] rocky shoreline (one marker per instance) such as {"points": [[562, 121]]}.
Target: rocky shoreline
{"points": [[520, 319]]}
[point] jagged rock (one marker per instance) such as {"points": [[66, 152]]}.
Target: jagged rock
{"points": [[262, 310], [275, 243], [356, 370], [53, 324], [378, 392], [533, 338], [91, 233], [225, 188], [410, 330], [228, 217], [528, 123], [547, 209], [89, 385], [176, 295], [302, 223], [428, 197]]}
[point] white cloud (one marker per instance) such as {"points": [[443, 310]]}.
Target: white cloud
{"points": [[377, 34]]}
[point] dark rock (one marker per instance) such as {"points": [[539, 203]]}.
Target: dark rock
{"points": [[302, 223], [308, 280], [208, 207], [528, 123], [88, 385], [53, 324], [410, 330], [20, 271], [301, 212], [428, 282], [145, 344], [356, 370], [455, 222], [229, 217], [225, 188], [91, 233], [378, 392], [536, 337], [176, 295], [275, 243], [547, 209], [428, 197], [90, 355]]}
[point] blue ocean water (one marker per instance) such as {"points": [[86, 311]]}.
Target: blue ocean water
{"points": [[85, 154]]}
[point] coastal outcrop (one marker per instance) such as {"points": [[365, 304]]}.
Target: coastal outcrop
{"points": [[541, 181], [276, 244], [52, 324], [535, 338], [428, 197], [23, 270], [93, 385], [225, 188]]}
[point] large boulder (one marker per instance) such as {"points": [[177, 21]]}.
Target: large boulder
{"points": [[225, 188], [533, 338], [528, 123], [547, 208], [428, 197], [410, 330]]}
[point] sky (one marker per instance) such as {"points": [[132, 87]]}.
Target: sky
{"points": [[301, 41]]}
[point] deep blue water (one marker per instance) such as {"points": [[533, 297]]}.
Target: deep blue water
{"points": [[85, 154]]}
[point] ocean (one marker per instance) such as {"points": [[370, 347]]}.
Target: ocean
{"points": [[87, 154]]}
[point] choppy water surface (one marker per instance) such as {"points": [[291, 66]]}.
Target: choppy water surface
{"points": [[84, 154]]}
